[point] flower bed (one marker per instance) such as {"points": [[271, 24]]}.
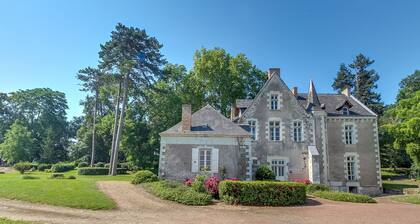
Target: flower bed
{"points": [[271, 193]]}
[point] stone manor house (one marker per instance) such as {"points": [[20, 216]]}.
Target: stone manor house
{"points": [[326, 138]]}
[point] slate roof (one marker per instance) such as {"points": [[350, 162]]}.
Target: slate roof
{"points": [[332, 101], [208, 122]]}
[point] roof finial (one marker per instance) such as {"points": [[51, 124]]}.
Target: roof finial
{"points": [[312, 96]]}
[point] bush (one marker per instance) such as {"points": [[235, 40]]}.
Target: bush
{"points": [[212, 186], [34, 166], [265, 173], [29, 177], [82, 164], [301, 180], [144, 176], [57, 176], [316, 187], [62, 167], [22, 167], [107, 165], [198, 184], [344, 196], [100, 164], [98, 171], [272, 193], [44, 166], [2, 172], [126, 165], [48, 171], [188, 182], [71, 177], [177, 192]]}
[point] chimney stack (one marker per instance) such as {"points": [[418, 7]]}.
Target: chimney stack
{"points": [[295, 90], [186, 118], [273, 71], [346, 91]]}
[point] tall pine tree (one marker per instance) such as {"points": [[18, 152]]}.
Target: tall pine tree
{"points": [[362, 82]]}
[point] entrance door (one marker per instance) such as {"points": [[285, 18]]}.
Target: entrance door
{"points": [[279, 167]]}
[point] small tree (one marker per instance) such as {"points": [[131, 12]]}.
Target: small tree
{"points": [[18, 144], [265, 173], [22, 167]]}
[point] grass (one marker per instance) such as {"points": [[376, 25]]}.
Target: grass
{"points": [[344, 196], [8, 221], [77, 193], [412, 198], [400, 184]]}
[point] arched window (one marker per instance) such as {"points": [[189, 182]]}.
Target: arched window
{"points": [[345, 111]]}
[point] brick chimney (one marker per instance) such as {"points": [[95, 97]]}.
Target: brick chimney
{"points": [[186, 118], [295, 90], [346, 91], [273, 71]]}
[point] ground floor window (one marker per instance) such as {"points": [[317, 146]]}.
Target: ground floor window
{"points": [[278, 166], [353, 189], [351, 168], [205, 159]]}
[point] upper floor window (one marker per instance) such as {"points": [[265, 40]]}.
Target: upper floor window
{"points": [[253, 128], [349, 134], [205, 159], [351, 168], [345, 111], [297, 131], [274, 128], [274, 100]]}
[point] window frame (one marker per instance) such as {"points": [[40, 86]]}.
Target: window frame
{"points": [[349, 134], [274, 130], [274, 101], [253, 128], [345, 111], [297, 131], [206, 161], [351, 171]]}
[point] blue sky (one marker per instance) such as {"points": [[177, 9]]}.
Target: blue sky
{"points": [[45, 43]]}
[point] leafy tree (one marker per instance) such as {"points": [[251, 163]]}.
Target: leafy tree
{"points": [[362, 82], [18, 144], [136, 58], [409, 85], [6, 116]]}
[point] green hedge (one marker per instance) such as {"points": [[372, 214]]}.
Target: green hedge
{"points": [[310, 188], [272, 193], [62, 167], [98, 171], [344, 196], [44, 166], [177, 192], [144, 176], [22, 167]]}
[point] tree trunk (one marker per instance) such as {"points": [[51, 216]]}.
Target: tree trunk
{"points": [[120, 126], [92, 158], [114, 131]]}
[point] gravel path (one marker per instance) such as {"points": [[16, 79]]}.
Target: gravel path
{"points": [[137, 206]]}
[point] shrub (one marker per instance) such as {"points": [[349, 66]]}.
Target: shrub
{"points": [[212, 186], [272, 193], [71, 177], [126, 165], [98, 171], [344, 196], [107, 165], [265, 173], [22, 167], [233, 179], [44, 166], [29, 177], [188, 182], [144, 176], [316, 187], [62, 167], [82, 164], [48, 171], [301, 180], [177, 192], [57, 176], [198, 184], [2, 172], [34, 166], [100, 164]]}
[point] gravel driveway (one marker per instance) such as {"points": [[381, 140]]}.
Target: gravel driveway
{"points": [[137, 206]]}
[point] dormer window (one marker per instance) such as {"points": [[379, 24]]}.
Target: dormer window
{"points": [[345, 111]]}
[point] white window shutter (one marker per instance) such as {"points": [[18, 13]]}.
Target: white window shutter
{"points": [[194, 160], [215, 160]]}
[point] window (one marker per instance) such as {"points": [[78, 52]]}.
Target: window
{"points": [[274, 99], [274, 127], [349, 134], [253, 128], [351, 168], [345, 111], [278, 167], [297, 131], [205, 158]]}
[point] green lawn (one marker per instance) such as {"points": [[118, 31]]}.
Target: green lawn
{"points": [[8, 221], [79, 193], [412, 198], [400, 184]]}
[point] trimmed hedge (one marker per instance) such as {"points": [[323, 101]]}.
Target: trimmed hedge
{"points": [[272, 193], [22, 167], [344, 196], [57, 176], [44, 166], [98, 171], [82, 164], [177, 192], [316, 187], [144, 176], [62, 167], [29, 177], [100, 164]]}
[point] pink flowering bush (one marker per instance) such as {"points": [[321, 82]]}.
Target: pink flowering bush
{"points": [[188, 182], [302, 180], [212, 186], [233, 179]]}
